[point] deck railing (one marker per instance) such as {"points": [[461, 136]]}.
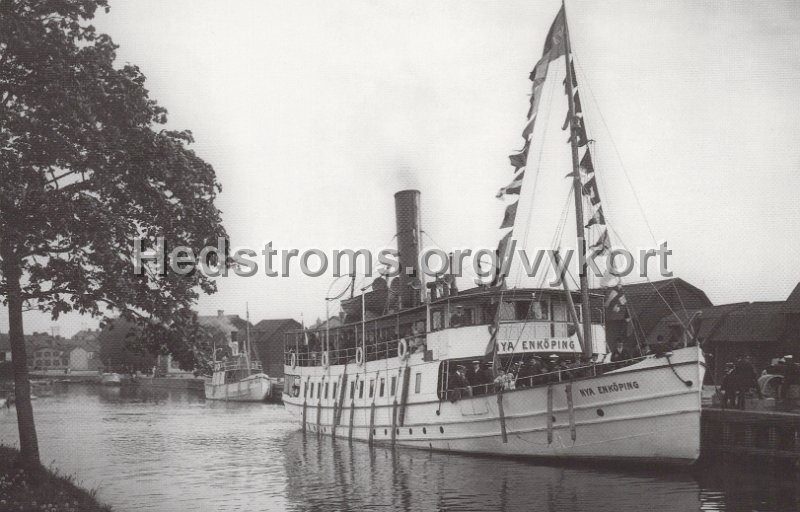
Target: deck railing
{"points": [[221, 366], [374, 351], [540, 379]]}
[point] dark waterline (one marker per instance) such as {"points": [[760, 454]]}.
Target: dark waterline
{"points": [[160, 450]]}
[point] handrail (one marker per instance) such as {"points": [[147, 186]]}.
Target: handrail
{"points": [[560, 375], [221, 366], [374, 351]]}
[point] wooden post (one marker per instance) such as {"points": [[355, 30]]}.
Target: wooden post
{"points": [[404, 395], [394, 421], [352, 415], [572, 431], [319, 416], [371, 422], [335, 414], [549, 414], [342, 393], [503, 432]]}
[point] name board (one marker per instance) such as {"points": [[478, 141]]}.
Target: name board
{"points": [[533, 337], [541, 345]]}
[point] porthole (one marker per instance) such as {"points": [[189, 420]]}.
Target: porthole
{"points": [[397, 431], [441, 429], [601, 412], [374, 432], [410, 431], [553, 419], [424, 430], [385, 432], [437, 412]]}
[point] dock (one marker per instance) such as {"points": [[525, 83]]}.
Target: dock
{"points": [[771, 437]]}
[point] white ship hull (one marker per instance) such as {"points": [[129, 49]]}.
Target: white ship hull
{"points": [[649, 411], [255, 388]]}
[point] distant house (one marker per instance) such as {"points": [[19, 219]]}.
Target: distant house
{"points": [[85, 352], [232, 328], [647, 304], [268, 337]]}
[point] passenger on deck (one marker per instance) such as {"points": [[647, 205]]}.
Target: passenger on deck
{"points": [[458, 386], [473, 376], [500, 381], [527, 371], [458, 319], [620, 354]]}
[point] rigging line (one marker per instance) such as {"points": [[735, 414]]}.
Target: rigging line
{"points": [[556, 240], [622, 166], [655, 288]]}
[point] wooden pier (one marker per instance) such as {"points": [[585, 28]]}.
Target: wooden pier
{"points": [[767, 436]]}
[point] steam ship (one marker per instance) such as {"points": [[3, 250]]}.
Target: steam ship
{"points": [[496, 369]]}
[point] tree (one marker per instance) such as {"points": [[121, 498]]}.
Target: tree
{"points": [[85, 168], [121, 347]]}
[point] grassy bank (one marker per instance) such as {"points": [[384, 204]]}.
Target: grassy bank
{"points": [[41, 488]]}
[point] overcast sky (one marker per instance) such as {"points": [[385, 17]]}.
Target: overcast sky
{"points": [[314, 113]]}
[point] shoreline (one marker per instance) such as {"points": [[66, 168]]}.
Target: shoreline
{"points": [[41, 488]]}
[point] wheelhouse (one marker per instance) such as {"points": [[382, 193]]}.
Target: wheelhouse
{"points": [[530, 320]]}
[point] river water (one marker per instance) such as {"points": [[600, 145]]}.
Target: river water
{"points": [[172, 450]]}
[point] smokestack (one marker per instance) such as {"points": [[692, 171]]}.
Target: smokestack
{"points": [[409, 239]]}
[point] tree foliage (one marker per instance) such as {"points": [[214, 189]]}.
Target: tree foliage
{"points": [[86, 165]]}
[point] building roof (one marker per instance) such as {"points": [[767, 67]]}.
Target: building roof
{"points": [[266, 329], [756, 322], [225, 323], [705, 321], [792, 304], [654, 295]]}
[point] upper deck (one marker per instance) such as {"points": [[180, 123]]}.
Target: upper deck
{"points": [[531, 320]]}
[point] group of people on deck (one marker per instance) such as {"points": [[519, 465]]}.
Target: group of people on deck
{"points": [[478, 378]]}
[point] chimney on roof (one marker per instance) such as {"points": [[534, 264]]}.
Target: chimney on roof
{"points": [[220, 313]]}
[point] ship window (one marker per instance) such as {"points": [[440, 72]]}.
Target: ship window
{"points": [[394, 386], [319, 389], [371, 387], [326, 390], [352, 390], [361, 389], [523, 308], [334, 395], [311, 390], [507, 311], [383, 384], [437, 320], [305, 390], [417, 382]]}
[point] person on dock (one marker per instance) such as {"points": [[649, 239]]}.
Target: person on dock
{"points": [[791, 377], [729, 387], [745, 380]]}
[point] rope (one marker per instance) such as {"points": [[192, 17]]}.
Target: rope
{"points": [[585, 81]]}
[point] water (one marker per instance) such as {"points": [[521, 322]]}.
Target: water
{"points": [[158, 450]]}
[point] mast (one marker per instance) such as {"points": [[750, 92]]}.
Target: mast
{"points": [[577, 187], [247, 335]]}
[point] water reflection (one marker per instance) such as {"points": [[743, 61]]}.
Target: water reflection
{"points": [[159, 449], [325, 475]]}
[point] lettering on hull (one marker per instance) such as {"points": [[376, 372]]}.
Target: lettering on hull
{"points": [[614, 387]]}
